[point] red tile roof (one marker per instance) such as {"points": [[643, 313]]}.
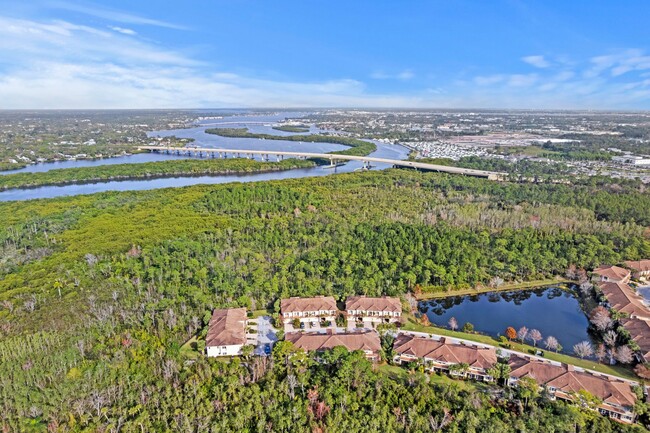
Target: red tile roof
{"points": [[364, 303], [227, 327], [368, 341], [613, 273], [638, 265], [317, 303], [640, 333], [442, 350], [624, 299], [568, 380]]}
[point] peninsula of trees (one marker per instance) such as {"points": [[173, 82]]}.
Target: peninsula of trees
{"points": [[357, 147], [172, 168]]}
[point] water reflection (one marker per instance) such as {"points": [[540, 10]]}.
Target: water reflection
{"points": [[553, 311]]}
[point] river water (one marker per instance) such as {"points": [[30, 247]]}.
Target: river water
{"points": [[259, 124], [552, 311]]}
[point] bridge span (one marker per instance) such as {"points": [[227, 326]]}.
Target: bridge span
{"points": [[332, 157]]}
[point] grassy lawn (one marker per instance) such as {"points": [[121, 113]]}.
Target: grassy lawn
{"points": [[188, 350], [260, 313], [616, 370], [503, 288], [401, 373]]}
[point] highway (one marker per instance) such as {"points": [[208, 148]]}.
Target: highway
{"points": [[333, 157]]}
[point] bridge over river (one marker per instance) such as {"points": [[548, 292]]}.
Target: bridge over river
{"points": [[332, 157]]}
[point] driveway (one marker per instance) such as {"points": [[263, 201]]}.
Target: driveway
{"points": [[266, 336]]}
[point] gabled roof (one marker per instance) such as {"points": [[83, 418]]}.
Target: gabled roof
{"points": [[622, 298], [541, 371], [441, 350], [317, 303], [638, 265], [367, 340], [640, 333], [227, 327], [568, 380], [614, 273], [364, 303], [608, 390]]}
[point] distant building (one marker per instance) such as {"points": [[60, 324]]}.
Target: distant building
{"points": [[640, 268], [631, 160], [364, 311], [612, 274], [564, 381], [309, 310], [442, 355], [366, 341], [226, 332]]}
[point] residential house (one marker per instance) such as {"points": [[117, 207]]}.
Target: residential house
{"points": [[612, 274], [310, 311], [640, 269], [444, 356], [624, 299], [226, 332], [366, 341], [639, 333], [565, 381], [363, 311]]}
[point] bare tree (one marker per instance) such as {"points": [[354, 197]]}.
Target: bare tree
{"points": [[624, 354], [81, 346], [292, 382], [585, 288], [453, 324], [30, 304], [496, 282], [601, 352], [610, 338], [601, 319], [551, 343], [535, 335], [8, 305], [583, 349], [522, 333]]}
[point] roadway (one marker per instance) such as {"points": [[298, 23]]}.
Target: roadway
{"points": [[333, 157]]}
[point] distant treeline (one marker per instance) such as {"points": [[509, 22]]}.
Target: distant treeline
{"points": [[182, 167]]}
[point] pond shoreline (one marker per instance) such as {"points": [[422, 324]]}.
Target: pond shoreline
{"points": [[558, 281]]}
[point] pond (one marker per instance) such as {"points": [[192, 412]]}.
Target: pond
{"points": [[552, 311]]}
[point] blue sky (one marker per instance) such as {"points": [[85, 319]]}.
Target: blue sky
{"points": [[239, 53]]}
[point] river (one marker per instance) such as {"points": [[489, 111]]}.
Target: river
{"points": [[260, 124]]}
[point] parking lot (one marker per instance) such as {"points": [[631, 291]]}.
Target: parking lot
{"points": [[266, 335]]}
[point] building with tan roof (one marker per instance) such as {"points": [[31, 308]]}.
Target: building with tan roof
{"points": [[364, 311], [366, 341], [226, 332], [624, 299], [310, 311], [640, 268], [565, 381], [444, 356], [639, 330], [612, 274]]}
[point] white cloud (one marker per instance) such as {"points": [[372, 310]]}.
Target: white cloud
{"points": [[113, 15], [61, 64], [123, 30], [536, 61], [404, 75]]}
